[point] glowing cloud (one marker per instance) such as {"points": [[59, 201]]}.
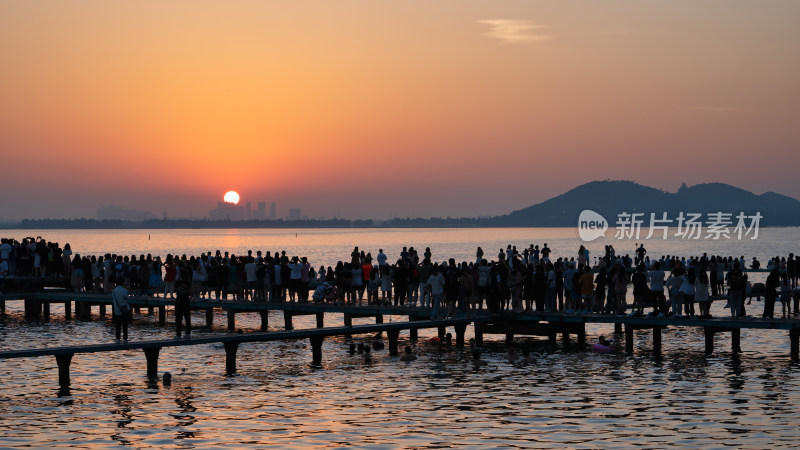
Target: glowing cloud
{"points": [[513, 31]]}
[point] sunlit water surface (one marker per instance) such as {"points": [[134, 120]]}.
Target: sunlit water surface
{"points": [[566, 398]]}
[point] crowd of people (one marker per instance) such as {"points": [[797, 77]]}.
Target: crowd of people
{"points": [[528, 280]]}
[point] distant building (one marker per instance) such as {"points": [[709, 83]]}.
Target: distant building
{"points": [[261, 211], [294, 214], [227, 211], [113, 212], [272, 211], [248, 211]]}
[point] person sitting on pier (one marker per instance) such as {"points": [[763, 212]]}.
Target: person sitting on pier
{"points": [[408, 354], [120, 310]]}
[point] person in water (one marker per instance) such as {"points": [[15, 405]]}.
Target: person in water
{"points": [[476, 359], [408, 354], [526, 356], [512, 355], [367, 353]]}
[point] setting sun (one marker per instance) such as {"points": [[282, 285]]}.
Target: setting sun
{"points": [[231, 197]]}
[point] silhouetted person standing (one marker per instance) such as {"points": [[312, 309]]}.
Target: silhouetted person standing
{"points": [[183, 309], [120, 310]]}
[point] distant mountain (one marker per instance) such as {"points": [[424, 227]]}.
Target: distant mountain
{"points": [[610, 198]]}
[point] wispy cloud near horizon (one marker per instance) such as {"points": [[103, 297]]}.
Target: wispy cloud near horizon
{"points": [[515, 31]]}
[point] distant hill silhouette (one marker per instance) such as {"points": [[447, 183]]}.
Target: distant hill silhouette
{"points": [[611, 198]]}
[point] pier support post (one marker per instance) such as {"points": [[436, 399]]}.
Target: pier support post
{"points": [[230, 356], [320, 320], [231, 320], [348, 322], [46, 311], [412, 332], [264, 320], [209, 317], [582, 335], [63, 362], [2, 306], [478, 334], [162, 314], [628, 339], [33, 309], [618, 328], [565, 337], [68, 309], [509, 338], [709, 332], [151, 354], [149, 310], [736, 337], [393, 335], [102, 311], [442, 333], [794, 336], [287, 320], [316, 350], [657, 340], [84, 310], [552, 337], [379, 318], [460, 330]]}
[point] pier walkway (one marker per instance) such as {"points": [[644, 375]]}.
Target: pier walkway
{"points": [[231, 343], [550, 325]]}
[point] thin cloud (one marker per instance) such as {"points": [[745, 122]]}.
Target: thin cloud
{"points": [[513, 31]]}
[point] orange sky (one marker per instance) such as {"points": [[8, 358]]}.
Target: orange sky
{"points": [[375, 109]]}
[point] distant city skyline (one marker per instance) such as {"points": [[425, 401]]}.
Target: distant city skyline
{"points": [[244, 211], [458, 108]]}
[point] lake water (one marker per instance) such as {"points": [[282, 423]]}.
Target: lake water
{"points": [[567, 398]]}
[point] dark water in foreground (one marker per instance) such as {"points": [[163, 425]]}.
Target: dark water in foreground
{"points": [[566, 398]]}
